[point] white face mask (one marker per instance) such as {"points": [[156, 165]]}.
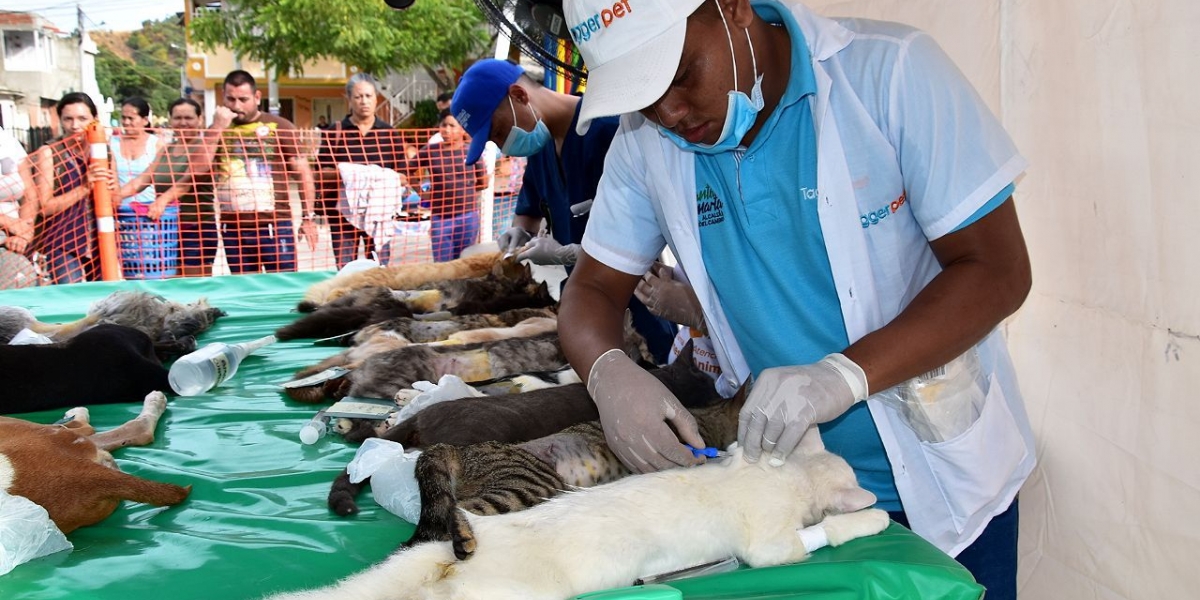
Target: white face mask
{"points": [[742, 110]]}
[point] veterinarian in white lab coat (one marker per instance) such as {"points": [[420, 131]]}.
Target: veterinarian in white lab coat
{"points": [[840, 198]]}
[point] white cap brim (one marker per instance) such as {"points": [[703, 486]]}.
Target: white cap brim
{"points": [[635, 80]]}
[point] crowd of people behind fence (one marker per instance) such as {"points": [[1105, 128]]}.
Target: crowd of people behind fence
{"points": [[250, 183]]}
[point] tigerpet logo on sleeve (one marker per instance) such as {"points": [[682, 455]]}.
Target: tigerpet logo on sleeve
{"points": [[584, 30]]}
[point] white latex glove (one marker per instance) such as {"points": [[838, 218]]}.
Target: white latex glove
{"points": [[543, 250], [669, 298], [512, 239], [786, 401], [635, 409]]}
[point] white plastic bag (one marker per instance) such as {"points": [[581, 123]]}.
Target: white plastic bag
{"points": [[26, 532], [944, 403], [449, 387], [28, 337], [393, 476]]}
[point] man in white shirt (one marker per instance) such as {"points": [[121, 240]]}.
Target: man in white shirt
{"points": [[839, 196]]}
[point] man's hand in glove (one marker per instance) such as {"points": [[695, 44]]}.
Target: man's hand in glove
{"points": [[543, 250], [512, 239], [786, 401], [637, 413], [669, 298]]}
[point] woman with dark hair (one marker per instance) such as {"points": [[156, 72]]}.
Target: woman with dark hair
{"points": [[452, 196], [133, 151], [62, 196], [361, 139]]}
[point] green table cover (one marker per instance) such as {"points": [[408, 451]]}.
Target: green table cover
{"points": [[256, 520]]}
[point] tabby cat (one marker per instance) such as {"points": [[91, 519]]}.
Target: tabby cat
{"points": [[508, 287], [519, 418], [610, 535], [382, 375], [398, 277], [398, 333], [496, 478]]}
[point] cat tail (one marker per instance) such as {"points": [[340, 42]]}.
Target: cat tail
{"points": [[343, 493]]}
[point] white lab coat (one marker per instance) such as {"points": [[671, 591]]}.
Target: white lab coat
{"points": [[951, 489]]}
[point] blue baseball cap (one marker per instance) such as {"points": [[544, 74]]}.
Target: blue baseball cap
{"points": [[477, 96]]}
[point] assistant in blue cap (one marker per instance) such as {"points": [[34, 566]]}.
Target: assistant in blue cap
{"points": [[497, 101], [480, 91]]}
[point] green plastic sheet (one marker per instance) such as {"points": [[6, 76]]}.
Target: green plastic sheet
{"points": [[256, 521]]}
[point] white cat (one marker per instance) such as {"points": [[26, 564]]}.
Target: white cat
{"points": [[610, 535]]}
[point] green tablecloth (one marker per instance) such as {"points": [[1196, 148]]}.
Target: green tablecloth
{"points": [[256, 521]]}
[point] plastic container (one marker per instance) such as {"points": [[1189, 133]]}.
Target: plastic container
{"points": [[149, 249], [943, 403], [314, 429], [207, 367]]}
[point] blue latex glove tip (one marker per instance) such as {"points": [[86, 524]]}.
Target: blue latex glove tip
{"points": [[709, 452]]}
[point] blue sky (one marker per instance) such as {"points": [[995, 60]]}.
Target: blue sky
{"points": [[114, 15]]}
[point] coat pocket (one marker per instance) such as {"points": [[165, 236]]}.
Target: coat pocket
{"points": [[971, 470]]}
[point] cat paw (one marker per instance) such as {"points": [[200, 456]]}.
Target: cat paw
{"points": [[840, 529], [79, 414], [155, 403]]}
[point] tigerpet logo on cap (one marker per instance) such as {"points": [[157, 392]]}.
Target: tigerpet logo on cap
{"points": [[463, 117], [584, 30]]}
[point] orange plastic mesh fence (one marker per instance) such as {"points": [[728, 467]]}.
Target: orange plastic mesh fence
{"points": [[261, 197]]}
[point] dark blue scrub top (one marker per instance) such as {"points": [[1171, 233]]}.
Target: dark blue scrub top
{"points": [[551, 187]]}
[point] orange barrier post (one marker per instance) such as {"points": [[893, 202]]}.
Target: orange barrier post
{"points": [[106, 231]]}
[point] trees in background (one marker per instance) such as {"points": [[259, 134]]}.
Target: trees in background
{"points": [[142, 63], [436, 35]]}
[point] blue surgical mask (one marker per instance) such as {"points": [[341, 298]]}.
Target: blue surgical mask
{"points": [[525, 143], [739, 116]]}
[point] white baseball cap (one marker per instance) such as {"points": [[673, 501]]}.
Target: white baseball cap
{"points": [[631, 49]]}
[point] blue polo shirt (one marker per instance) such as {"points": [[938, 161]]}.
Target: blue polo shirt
{"points": [[550, 186], [764, 251]]}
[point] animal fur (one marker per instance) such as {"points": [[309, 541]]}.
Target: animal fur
{"points": [[382, 375], [516, 418], [171, 325], [505, 288], [608, 536], [494, 478], [102, 365], [68, 470], [400, 333], [399, 277]]}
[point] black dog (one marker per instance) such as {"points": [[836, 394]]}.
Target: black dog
{"points": [[103, 365]]}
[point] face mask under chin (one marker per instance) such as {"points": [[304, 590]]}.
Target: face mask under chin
{"points": [[740, 114]]}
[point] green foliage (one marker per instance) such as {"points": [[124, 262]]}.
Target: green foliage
{"points": [[158, 53], [425, 115], [286, 34]]}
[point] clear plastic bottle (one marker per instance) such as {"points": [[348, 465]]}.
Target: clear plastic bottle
{"points": [[207, 367], [314, 429]]}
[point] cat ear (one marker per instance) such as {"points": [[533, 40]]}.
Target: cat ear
{"points": [[686, 352], [853, 499]]}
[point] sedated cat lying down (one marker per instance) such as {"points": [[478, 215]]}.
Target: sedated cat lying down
{"points": [[610, 535]]}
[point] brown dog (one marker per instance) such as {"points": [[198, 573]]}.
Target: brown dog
{"points": [[67, 469]]}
